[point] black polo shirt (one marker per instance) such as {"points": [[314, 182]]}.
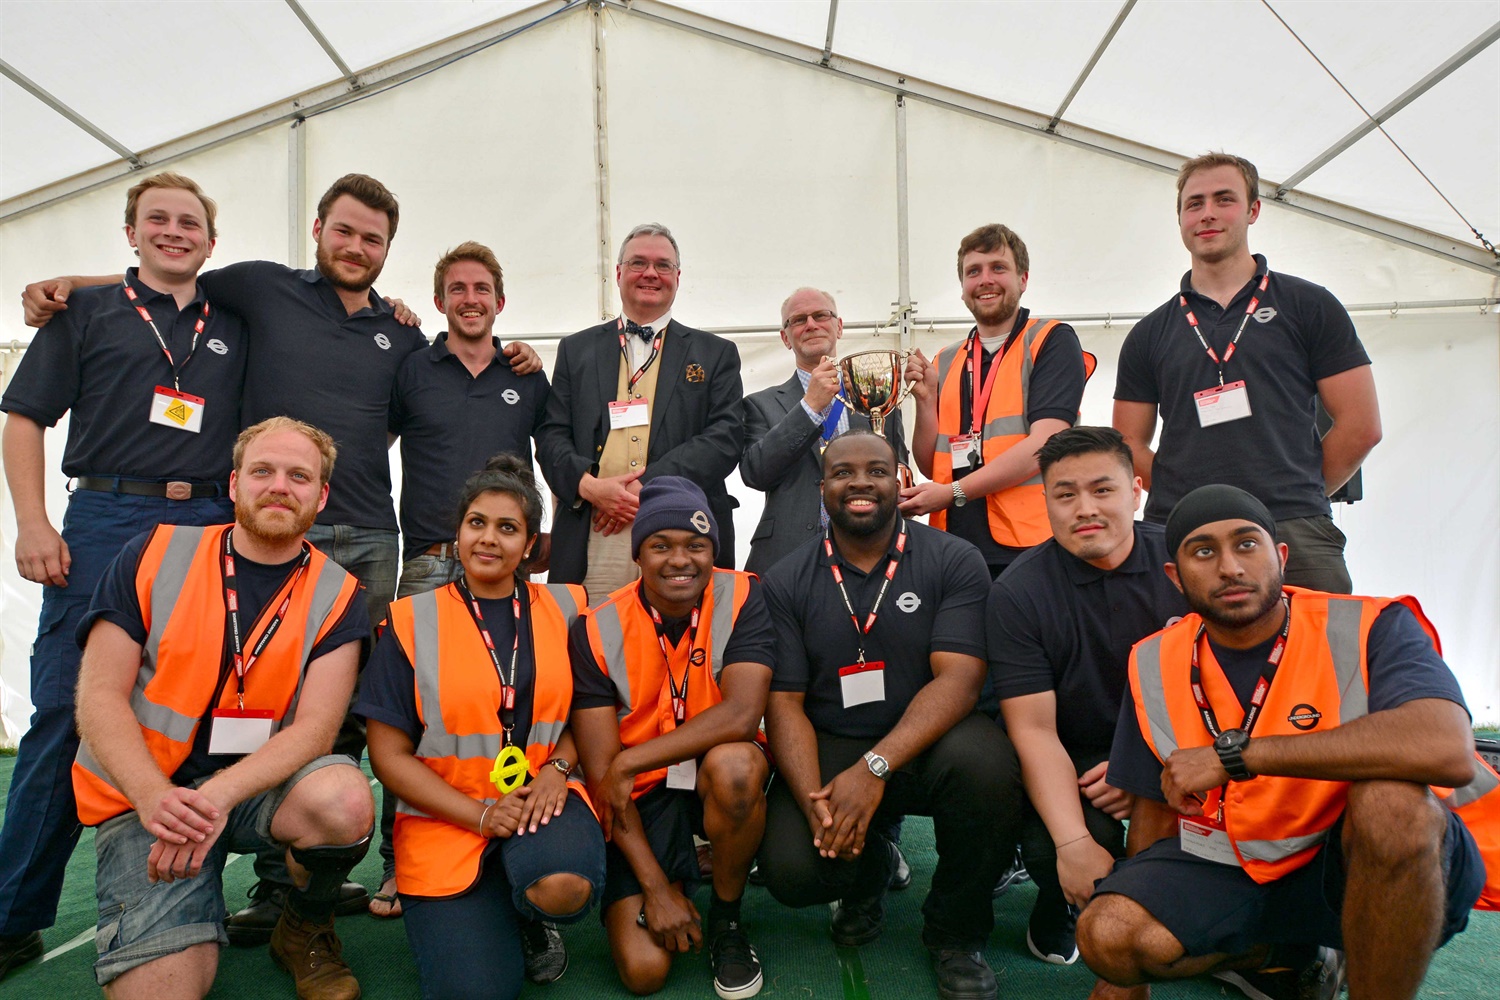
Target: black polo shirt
{"points": [[1056, 623], [1298, 335], [99, 359], [451, 423], [1055, 393], [935, 604], [311, 360]]}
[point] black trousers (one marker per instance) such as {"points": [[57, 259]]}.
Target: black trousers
{"points": [[1040, 855], [969, 782]]}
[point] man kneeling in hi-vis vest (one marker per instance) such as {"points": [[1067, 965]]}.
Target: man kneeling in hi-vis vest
{"points": [[1280, 743], [670, 677], [217, 665]]}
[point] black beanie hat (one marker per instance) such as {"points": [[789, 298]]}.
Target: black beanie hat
{"points": [[669, 502], [1208, 504]]}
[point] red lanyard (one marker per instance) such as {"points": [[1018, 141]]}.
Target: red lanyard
{"points": [[890, 573], [242, 663], [197, 330], [1229, 351], [507, 684], [981, 399], [1262, 686], [679, 696], [640, 372]]}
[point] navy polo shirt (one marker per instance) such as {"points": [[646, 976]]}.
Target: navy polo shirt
{"points": [[99, 359], [451, 423], [311, 360], [1299, 334], [1055, 393], [1056, 623], [935, 604]]}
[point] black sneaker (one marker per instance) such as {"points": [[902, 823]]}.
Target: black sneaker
{"points": [[1321, 979], [546, 955], [18, 949], [858, 921], [1049, 936], [962, 975], [1014, 875], [736, 966], [900, 870]]}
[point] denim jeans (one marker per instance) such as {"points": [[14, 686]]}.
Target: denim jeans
{"points": [[419, 574]]}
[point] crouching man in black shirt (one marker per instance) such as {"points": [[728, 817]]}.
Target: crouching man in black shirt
{"points": [[875, 719]]}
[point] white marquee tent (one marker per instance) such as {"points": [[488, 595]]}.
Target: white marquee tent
{"points": [[847, 145]]}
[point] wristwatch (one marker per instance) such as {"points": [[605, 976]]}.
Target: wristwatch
{"points": [[877, 764], [562, 766], [1230, 746], [959, 496]]}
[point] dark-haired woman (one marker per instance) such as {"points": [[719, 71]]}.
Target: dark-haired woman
{"points": [[461, 674]]}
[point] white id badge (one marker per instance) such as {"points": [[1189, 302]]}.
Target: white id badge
{"points": [[239, 732], [628, 413], [964, 448], [683, 775], [1221, 405], [863, 683], [177, 410], [1204, 840]]}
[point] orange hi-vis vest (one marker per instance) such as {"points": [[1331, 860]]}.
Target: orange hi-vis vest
{"points": [[623, 639], [1018, 514], [1278, 824], [458, 700], [180, 586]]}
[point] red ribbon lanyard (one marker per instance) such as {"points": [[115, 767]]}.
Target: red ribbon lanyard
{"points": [[679, 696], [640, 372], [1262, 686], [890, 573], [1229, 351], [242, 663], [980, 399], [507, 684], [197, 330]]}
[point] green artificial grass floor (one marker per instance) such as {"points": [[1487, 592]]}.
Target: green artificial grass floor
{"points": [[799, 959]]}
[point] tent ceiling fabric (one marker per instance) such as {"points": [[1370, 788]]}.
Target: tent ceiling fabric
{"points": [[1182, 78]]}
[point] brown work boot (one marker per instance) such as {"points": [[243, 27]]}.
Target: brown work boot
{"points": [[312, 953]]}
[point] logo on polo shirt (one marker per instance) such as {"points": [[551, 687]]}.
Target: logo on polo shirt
{"points": [[217, 346], [1304, 717], [1265, 314], [908, 602], [383, 341], [511, 396], [699, 520]]}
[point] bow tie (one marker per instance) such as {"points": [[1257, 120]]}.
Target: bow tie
{"points": [[644, 332]]}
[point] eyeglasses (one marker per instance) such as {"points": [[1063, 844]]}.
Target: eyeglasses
{"points": [[802, 319], [638, 265]]}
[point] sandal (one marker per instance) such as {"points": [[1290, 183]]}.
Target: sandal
{"points": [[389, 898]]}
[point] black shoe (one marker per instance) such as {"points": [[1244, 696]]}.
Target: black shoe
{"points": [[737, 972], [962, 975], [1049, 936], [1321, 979], [18, 949], [755, 877], [253, 925], [546, 955], [1014, 875], [900, 871], [858, 921]]}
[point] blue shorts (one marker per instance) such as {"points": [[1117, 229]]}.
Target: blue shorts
{"points": [[140, 922], [1217, 909]]}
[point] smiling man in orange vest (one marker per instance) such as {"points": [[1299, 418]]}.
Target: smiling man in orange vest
{"points": [[1280, 743], [987, 403], [216, 671]]}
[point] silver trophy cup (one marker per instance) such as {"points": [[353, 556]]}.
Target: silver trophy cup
{"points": [[872, 384]]}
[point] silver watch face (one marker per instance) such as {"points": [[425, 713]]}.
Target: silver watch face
{"points": [[878, 765]]}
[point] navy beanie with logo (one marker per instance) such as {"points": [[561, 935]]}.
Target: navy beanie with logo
{"points": [[672, 502]]}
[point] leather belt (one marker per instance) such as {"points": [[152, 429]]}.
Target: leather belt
{"points": [[445, 550], [175, 490]]}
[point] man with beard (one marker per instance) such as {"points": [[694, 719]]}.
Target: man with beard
{"points": [[152, 374], [1241, 411], [1060, 625], [1280, 743], [217, 663], [986, 404], [875, 719]]}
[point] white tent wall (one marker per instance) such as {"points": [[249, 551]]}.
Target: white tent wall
{"points": [[775, 175]]}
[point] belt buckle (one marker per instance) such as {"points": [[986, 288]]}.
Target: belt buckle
{"points": [[179, 491]]}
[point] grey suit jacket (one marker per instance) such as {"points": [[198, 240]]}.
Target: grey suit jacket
{"points": [[782, 460]]}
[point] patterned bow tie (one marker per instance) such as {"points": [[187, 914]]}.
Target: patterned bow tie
{"points": [[644, 332]]}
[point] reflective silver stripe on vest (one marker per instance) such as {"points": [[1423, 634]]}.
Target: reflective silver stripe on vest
{"points": [[1271, 851], [406, 808], [722, 623], [612, 638], [166, 588], [944, 362], [1028, 337], [325, 596], [158, 718], [436, 740], [88, 763], [1484, 782], [1154, 695], [1343, 647], [544, 732], [564, 598]]}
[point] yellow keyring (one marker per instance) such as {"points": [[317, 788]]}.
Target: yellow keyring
{"points": [[511, 770]]}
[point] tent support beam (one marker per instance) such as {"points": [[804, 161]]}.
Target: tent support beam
{"points": [[1371, 123], [322, 40], [833, 13], [904, 338], [601, 164], [1109, 36], [36, 90], [296, 194]]}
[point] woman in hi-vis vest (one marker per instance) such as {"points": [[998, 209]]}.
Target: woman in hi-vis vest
{"points": [[466, 697]]}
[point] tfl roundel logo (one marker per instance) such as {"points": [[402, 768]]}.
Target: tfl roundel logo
{"points": [[1304, 717], [699, 520]]}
